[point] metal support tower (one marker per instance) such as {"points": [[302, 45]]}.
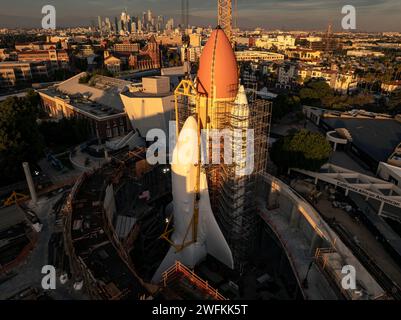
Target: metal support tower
{"points": [[225, 17], [184, 35], [235, 14]]}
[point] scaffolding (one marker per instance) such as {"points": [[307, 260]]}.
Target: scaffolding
{"points": [[232, 194]]}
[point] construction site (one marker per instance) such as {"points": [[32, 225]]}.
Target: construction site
{"points": [[213, 224], [114, 219]]}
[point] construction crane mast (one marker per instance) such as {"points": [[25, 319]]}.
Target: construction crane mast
{"points": [[225, 17], [184, 36], [235, 14], [184, 15]]}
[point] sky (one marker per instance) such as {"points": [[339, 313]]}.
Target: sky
{"points": [[371, 15]]}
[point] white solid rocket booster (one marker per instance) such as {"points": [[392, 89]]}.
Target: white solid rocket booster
{"points": [[210, 239]]}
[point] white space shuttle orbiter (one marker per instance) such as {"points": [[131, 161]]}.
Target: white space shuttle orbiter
{"points": [[210, 239]]}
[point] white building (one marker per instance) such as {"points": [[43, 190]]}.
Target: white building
{"points": [[195, 40], [281, 42], [193, 53], [287, 74], [257, 56], [150, 105], [243, 41], [391, 86], [113, 64], [364, 53], [317, 73], [344, 82], [340, 82]]}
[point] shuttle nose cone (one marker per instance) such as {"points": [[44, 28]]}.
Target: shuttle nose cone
{"points": [[218, 71], [186, 149], [241, 97]]}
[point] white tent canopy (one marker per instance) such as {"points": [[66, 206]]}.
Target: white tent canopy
{"points": [[371, 187]]}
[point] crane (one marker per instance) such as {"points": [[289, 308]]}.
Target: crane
{"points": [[225, 17]]}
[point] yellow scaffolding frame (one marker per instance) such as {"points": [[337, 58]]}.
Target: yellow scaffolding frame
{"points": [[14, 198], [187, 89]]}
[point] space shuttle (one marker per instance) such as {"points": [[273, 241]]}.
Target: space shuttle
{"points": [[217, 84], [209, 238]]}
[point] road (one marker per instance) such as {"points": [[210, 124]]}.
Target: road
{"points": [[55, 176], [29, 272], [366, 240], [20, 94]]}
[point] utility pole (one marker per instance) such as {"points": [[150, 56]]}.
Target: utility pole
{"points": [[29, 180]]}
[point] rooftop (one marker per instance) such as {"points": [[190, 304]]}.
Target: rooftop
{"points": [[7, 63], [378, 138], [142, 94], [151, 87], [100, 99], [41, 51], [83, 103]]}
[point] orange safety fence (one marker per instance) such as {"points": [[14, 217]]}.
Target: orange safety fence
{"points": [[21, 256], [179, 268]]}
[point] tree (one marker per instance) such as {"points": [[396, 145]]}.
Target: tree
{"points": [[33, 99], [103, 72], [85, 78], [284, 104], [20, 139], [303, 150], [315, 91], [394, 104], [66, 132]]}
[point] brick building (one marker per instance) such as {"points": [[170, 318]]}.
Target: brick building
{"points": [[148, 57], [57, 59], [99, 103], [14, 73]]}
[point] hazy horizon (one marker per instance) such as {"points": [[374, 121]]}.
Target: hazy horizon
{"points": [[373, 16]]}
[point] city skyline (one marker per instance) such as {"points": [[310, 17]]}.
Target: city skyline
{"points": [[269, 14]]}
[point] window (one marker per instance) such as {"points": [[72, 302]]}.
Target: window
{"points": [[108, 131], [393, 180], [115, 131]]}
